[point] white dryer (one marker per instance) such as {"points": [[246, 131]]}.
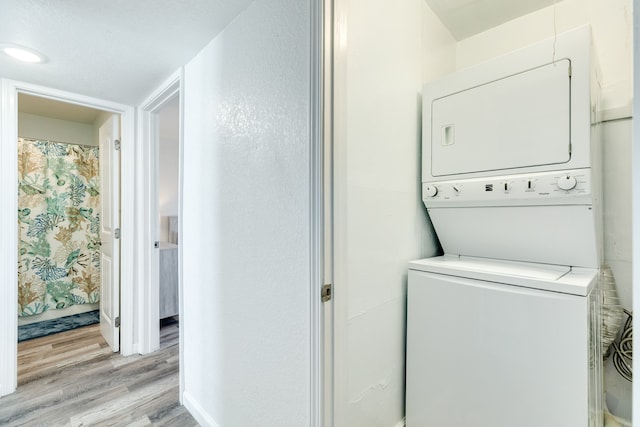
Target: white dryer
{"points": [[503, 330]]}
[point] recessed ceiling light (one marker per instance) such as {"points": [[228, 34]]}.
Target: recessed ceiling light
{"points": [[22, 53]]}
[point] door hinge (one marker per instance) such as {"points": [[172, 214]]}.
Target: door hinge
{"points": [[116, 233], [117, 322], [326, 292], [116, 144]]}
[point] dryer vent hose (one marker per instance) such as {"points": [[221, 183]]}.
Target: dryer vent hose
{"points": [[612, 313], [611, 309]]}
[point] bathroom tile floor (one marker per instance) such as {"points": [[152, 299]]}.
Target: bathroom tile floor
{"points": [[54, 326], [74, 379]]}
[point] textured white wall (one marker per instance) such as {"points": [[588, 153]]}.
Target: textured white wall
{"points": [[246, 306], [39, 127], [380, 221]]}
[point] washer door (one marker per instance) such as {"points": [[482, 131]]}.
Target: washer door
{"points": [[493, 355]]}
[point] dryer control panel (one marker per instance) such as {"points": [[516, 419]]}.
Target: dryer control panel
{"points": [[544, 188]]}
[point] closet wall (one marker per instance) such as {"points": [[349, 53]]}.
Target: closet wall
{"points": [[385, 52]]}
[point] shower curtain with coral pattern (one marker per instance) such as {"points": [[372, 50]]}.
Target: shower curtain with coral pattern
{"points": [[58, 218]]}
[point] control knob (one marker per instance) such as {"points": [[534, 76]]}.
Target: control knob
{"points": [[530, 184], [567, 182], [430, 190]]}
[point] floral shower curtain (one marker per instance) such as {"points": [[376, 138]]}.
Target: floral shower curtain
{"points": [[58, 219]]}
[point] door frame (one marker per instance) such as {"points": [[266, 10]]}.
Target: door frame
{"points": [[9, 90], [322, 190], [635, 186], [147, 152]]}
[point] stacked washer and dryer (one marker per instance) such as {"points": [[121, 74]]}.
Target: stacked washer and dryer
{"points": [[503, 330]]}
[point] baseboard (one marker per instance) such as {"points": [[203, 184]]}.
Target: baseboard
{"points": [[205, 420], [197, 411], [402, 423]]}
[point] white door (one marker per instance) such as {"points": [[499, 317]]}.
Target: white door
{"points": [[109, 133]]}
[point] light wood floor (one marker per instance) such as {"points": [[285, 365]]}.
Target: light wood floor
{"points": [[73, 379]]}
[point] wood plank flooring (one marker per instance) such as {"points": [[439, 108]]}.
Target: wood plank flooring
{"points": [[74, 379]]}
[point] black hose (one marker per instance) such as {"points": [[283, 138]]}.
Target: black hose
{"points": [[623, 351]]}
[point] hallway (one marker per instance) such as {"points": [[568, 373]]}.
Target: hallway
{"points": [[73, 378]]}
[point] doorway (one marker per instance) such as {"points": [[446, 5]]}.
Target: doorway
{"points": [[160, 149], [167, 193], [9, 125], [68, 206]]}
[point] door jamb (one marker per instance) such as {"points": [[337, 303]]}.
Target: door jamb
{"points": [[326, 332], [9, 90], [321, 246], [148, 317]]}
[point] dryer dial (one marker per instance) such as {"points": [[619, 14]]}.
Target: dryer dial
{"points": [[567, 182], [430, 191]]}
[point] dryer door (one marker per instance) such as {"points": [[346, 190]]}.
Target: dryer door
{"points": [[517, 121]]}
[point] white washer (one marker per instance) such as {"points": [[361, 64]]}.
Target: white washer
{"points": [[504, 329], [490, 344]]}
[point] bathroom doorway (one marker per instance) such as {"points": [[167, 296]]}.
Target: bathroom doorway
{"points": [[59, 210], [68, 207], [48, 292]]}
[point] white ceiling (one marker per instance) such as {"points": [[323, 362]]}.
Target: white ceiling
{"points": [[465, 18], [118, 50]]}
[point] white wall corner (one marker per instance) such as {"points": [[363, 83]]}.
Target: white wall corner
{"points": [[402, 423], [197, 411]]}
